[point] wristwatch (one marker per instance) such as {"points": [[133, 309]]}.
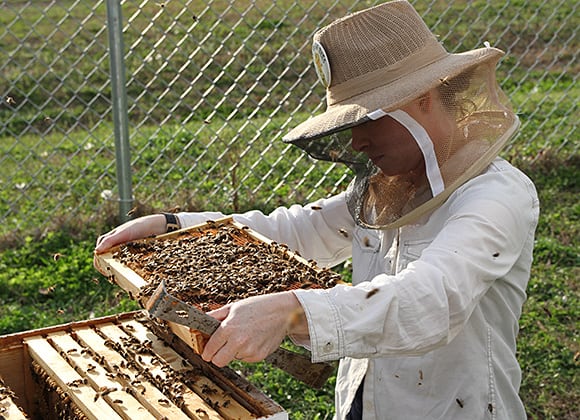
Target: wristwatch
{"points": [[172, 222]]}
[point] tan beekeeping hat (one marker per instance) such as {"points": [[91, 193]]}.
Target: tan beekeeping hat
{"points": [[379, 58]]}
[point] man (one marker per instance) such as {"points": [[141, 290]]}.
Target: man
{"points": [[440, 230]]}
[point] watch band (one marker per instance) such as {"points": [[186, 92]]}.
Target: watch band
{"points": [[172, 222]]}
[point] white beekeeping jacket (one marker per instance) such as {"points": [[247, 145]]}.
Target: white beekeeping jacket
{"points": [[431, 320]]}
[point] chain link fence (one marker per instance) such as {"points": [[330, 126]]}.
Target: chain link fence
{"points": [[211, 87]]}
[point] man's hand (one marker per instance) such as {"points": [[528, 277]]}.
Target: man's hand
{"points": [[253, 328]]}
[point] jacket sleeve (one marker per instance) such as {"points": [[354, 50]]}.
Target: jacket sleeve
{"points": [[318, 231], [487, 224]]}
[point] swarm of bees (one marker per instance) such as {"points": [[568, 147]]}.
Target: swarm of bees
{"points": [[220, 266]]}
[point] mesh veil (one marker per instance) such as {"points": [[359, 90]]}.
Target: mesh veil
{"points": [[479, 121]]}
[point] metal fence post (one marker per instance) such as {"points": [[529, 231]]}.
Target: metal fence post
{"points": [[120, 114]]}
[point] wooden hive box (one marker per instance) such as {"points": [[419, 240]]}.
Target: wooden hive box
{"points": [[225, 252], [119, 367]]}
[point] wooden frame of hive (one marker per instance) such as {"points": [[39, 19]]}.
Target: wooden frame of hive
{"points": [[126, 366], [132, 282]]}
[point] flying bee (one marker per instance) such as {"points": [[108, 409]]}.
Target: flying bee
{"points": [[334, 155], [343, 232], [316, 208], [132, 211]]}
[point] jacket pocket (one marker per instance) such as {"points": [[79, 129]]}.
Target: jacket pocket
{"points": [[366, 245], [413, 249]]}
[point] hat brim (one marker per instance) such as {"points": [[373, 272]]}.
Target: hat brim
{"points": [[390, 96]]}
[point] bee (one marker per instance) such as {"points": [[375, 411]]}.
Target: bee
{"points": [[343, 232], [60, 311], [75, 383], [334, 155], [91, 368], [206, 389], [371, 293], [495, 254], [459, 402], [132, 211], [95, 280], [71, 351], [46, 290], [10, 100], [163, 401], [56, 256], [117, 401], [316, 208], [105, 390], [366, 241], [444, 81]]}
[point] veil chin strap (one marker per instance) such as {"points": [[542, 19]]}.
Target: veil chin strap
{"points": [[423, 141]]}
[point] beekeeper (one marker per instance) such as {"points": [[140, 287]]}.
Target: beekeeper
{"points": [[440, 230]]}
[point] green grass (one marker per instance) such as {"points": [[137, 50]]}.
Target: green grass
{"points": [[66, 170]]}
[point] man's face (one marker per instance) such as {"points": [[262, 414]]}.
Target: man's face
{"points": [[388, 145]]}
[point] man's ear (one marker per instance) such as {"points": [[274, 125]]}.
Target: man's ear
{"points": [[426, 103]]}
